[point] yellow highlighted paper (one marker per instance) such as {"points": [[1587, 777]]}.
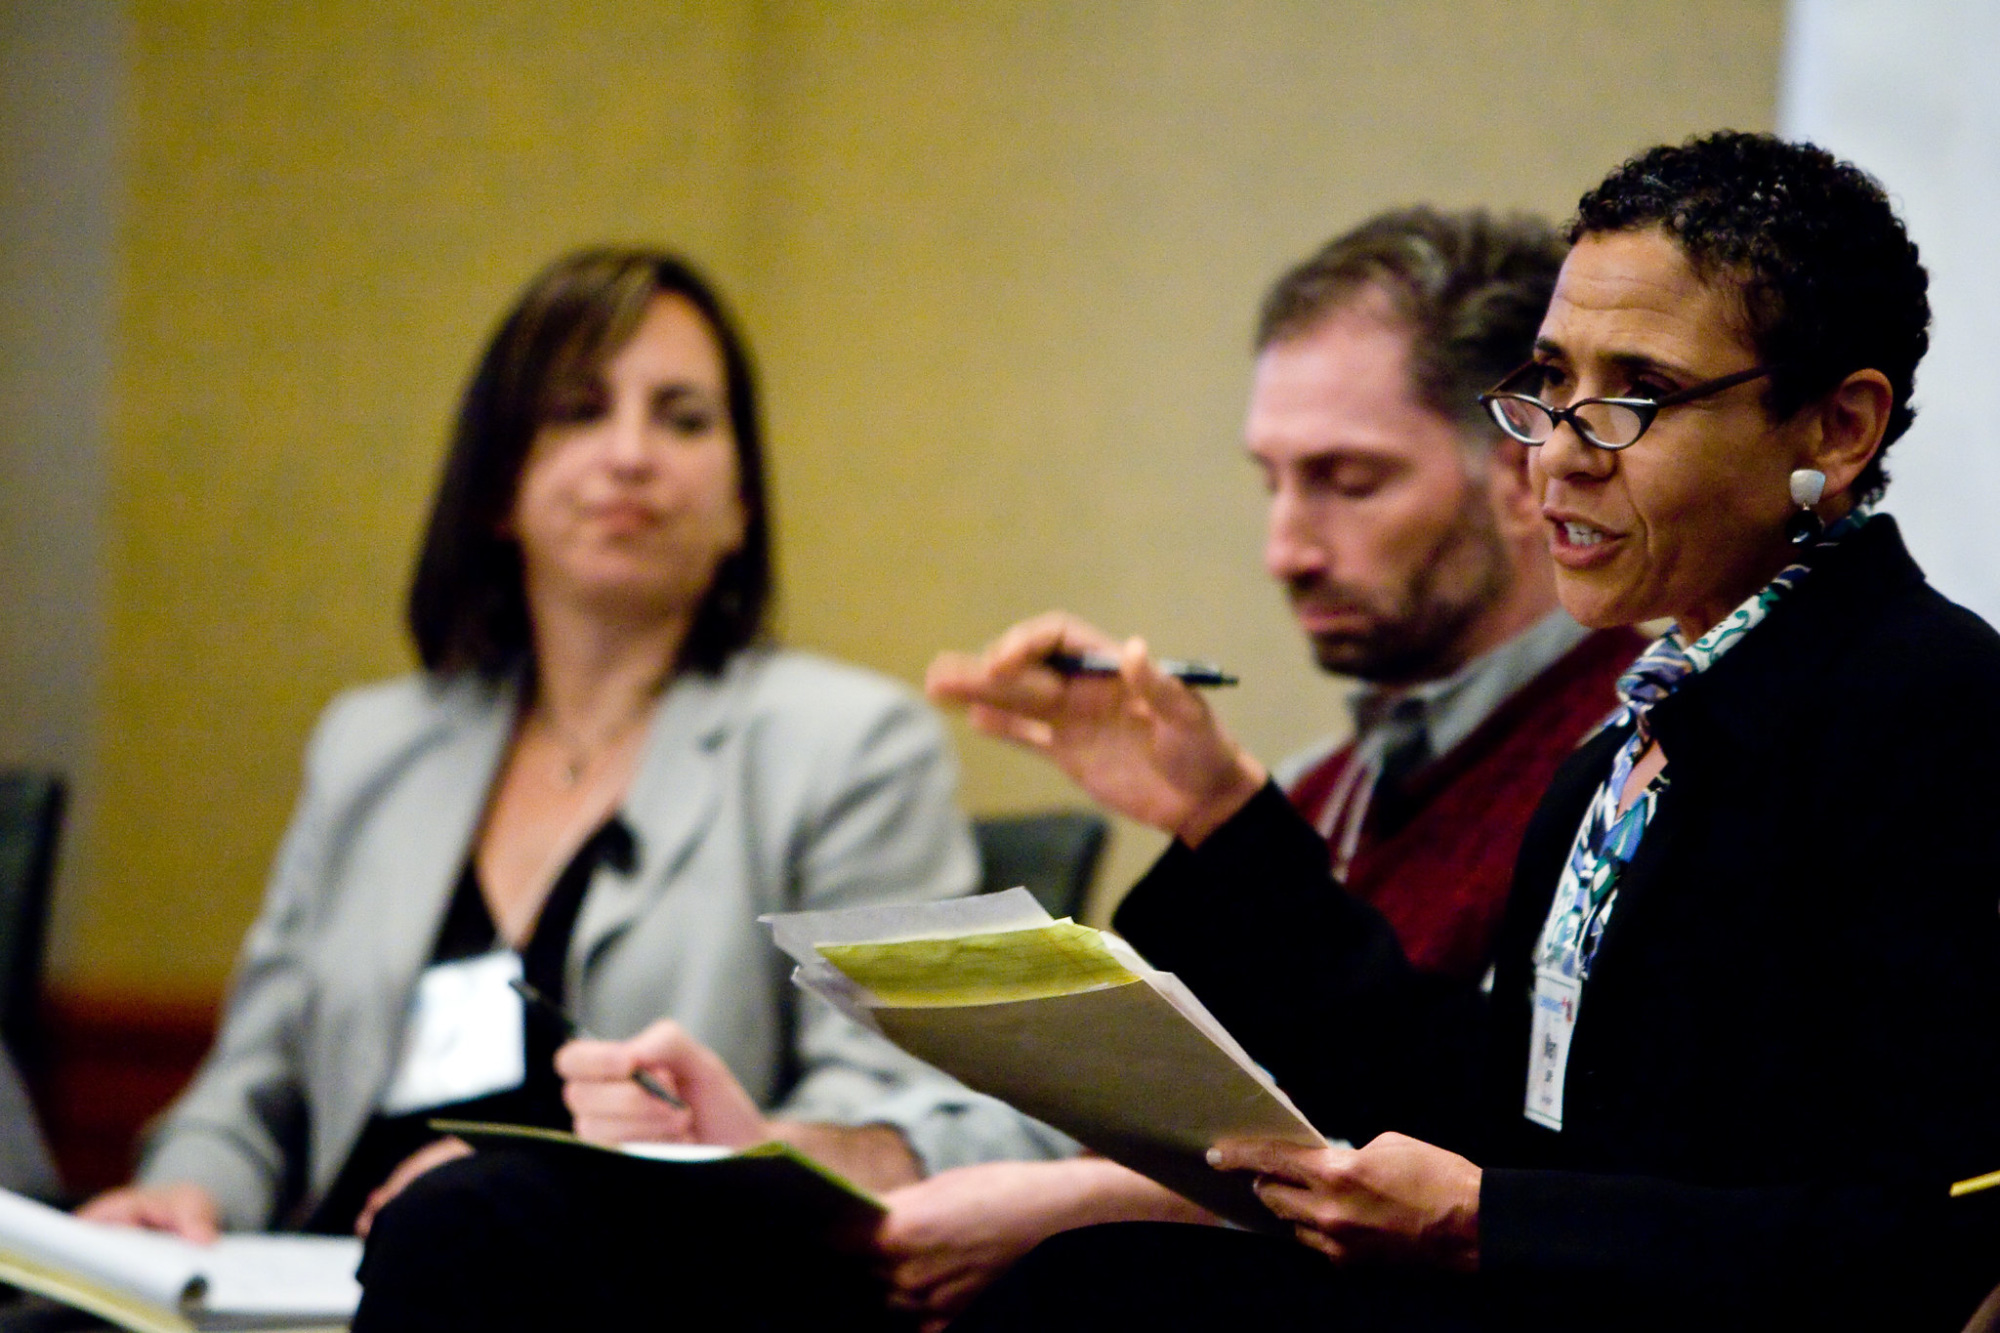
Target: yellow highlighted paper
{"points": [[1976, 1184], [1061, 958], [1064, 1023]]}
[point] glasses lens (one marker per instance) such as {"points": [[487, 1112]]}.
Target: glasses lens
{"points": [[1611, 424], [1523, 418]]}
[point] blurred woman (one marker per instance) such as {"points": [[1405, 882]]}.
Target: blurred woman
{"points": [[599, 779], [1746, 1024]]}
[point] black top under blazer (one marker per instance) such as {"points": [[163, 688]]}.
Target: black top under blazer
{"points": [[1790, 1041]]}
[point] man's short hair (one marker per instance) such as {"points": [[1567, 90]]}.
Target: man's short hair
{"points": [[1829, 278], [1470, 287]]}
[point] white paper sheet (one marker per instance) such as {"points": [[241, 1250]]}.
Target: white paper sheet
{"points": [[1140, 1071], [300, 1278]]}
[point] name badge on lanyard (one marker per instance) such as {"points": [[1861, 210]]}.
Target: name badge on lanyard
{"points": [[1548, 1041], [1584, 897], [464, 1038]]}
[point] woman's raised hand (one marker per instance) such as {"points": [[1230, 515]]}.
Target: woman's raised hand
{"points": [[1139, 742]]}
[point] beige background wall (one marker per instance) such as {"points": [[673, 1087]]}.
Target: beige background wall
{"points": [[998, 260], [62, 75]]}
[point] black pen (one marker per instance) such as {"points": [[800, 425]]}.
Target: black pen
{"points": [[571, 1028], [1106, 664]]}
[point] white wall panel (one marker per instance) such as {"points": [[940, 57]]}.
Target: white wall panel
{"points": [[1911, 91]]}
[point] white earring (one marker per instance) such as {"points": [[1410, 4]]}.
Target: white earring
{"points": [[1805, 527]]}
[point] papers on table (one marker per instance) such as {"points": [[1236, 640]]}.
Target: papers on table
{"points": [[1066, 1023], [155, 1283]]}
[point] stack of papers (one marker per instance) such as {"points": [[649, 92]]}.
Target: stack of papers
{"points": [[155, 1283], [1065, 1023]]}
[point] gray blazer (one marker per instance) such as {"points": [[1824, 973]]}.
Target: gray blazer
{"points": [[25, 1167], [788, 782]]}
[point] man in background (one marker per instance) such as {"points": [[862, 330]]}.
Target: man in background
{"points": [[1405, 535], [1415, 557]]}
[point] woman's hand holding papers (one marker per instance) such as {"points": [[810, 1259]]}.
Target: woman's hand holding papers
{"points": [[186, 1210], [1139, 742], [1397, 1200], [946, 1238]]}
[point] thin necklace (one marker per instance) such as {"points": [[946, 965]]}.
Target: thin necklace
{"points": [[579, 753]]}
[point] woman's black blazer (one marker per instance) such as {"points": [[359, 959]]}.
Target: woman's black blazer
{"points": [[1790, 1042]]}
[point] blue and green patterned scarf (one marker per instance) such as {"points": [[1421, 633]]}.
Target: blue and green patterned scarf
{"points": [[1607, 840]]}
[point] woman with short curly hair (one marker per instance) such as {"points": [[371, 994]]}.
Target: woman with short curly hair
{"points": [[1745, 1027]]}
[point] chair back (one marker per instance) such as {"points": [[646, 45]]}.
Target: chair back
{"points": [[1054, 854], [31, 815]]}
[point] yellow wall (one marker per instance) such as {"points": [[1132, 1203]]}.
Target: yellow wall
{"points": [[998, 260], [329, 206]]}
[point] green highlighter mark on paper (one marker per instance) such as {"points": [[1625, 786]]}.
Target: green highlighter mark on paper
{"points": [[1060, 958]]}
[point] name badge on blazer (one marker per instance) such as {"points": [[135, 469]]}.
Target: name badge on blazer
{"points": [[464, 1036], [1556, 999]]}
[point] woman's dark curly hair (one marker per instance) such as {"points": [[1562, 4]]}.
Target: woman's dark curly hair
{"points": [[468, 609], [1830, 279]]}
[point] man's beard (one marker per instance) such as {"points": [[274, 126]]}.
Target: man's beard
{"points": [[1416, 633]]}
